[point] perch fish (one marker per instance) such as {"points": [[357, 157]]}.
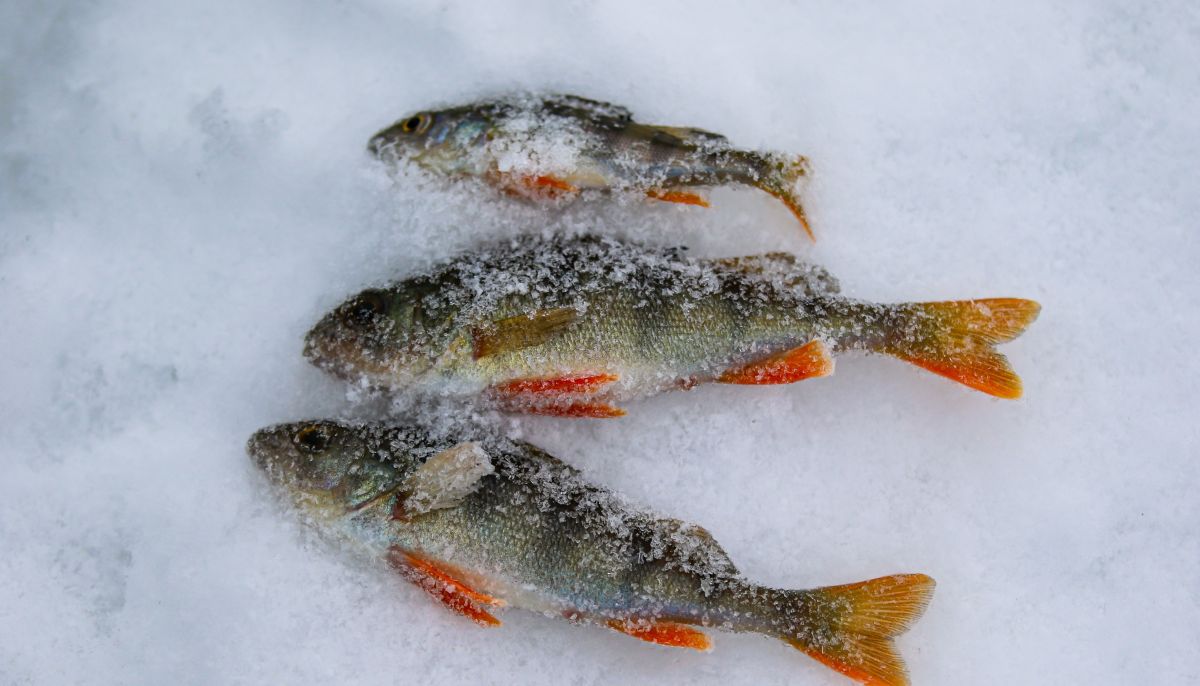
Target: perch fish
{"points": [[485, 523], [578, 326], [552, 146]]}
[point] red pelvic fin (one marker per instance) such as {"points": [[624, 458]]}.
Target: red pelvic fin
{"points": [[551, 183], [439, 580], [810, 360], [678, 196], [554, 386], [535, 186], [664, 633], [564, 396]]}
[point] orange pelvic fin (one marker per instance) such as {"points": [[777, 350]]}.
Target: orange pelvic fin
{"points": [[808, 361], [664, 633], [439, 580], [535, 186], [564, 396], [956, 339], [541, 186], [552, 184], [554, 386], [678, 196], [858, 624]]}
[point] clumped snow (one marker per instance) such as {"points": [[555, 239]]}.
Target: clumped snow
{"points": [[184, 190]]}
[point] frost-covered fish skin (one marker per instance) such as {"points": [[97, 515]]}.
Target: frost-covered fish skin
{"points": [[489, 522], [574, 326], [552, 145]]}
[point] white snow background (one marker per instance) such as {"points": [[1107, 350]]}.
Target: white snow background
{"points": [[184, 190]]}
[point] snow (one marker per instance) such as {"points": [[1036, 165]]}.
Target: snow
{"points": [[184, 190]]}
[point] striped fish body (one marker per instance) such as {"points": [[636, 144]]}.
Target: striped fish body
{"points": [[489, 523], [574, 326]]}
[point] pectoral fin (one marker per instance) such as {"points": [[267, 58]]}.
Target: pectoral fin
{"points": [[444, 583], [696, 547], [520, 331], [808, 361], [444, 480], [663, 633]]}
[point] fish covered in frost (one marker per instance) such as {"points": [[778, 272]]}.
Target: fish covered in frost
{"points": [[576, 326], [559, 145], [485, 523]]}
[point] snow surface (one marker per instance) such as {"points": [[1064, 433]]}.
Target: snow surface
{"points": [[184, 190]]}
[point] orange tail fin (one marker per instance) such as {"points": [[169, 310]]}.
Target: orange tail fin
{"points": [[957, 340], [781, 183], [850, 628]]}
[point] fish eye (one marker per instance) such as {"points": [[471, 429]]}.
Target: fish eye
{"points": [[313, 438], [364, 309], [416, 123]]}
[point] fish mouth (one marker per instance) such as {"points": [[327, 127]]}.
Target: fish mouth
{"points": [[381, 144], [348, 359], [336, 354], [387, 144], [266, 444], [270, 450]]}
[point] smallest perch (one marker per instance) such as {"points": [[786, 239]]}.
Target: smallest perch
{"points": [[546, 147]]}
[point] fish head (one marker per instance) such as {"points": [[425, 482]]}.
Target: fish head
{"points": [[447, 141], [386, 336], [327, 468]]}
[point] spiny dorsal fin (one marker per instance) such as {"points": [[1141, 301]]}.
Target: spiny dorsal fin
{"points": [[693, 135], [601, 112], [445, 479], [695, 546], [813, 279], [520, 331]]}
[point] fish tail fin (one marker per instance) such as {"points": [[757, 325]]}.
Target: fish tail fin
{"points": [[850, 628], [780, 178], [957, 339]]}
